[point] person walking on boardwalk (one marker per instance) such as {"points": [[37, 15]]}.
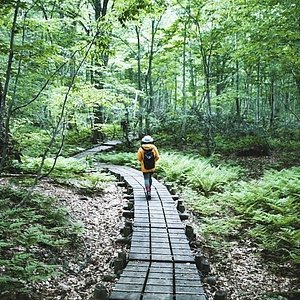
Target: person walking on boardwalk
{"points": [[147, 155]]}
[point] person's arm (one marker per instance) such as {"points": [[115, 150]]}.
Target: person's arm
{"points": [[140, 154], [156, 154]]}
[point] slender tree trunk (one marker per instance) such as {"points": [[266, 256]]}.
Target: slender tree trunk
{"points": [[100, 60], [272, 102], [237, 87], [193, 79], [237, 99], [175, 93], [219, 83], [140, 98], [4, 138], [257, 115], [148, 79], [183, 125], [209, 136], [1, 96]]}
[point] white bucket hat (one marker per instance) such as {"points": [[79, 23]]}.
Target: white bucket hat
{"points": [[147, 139]]}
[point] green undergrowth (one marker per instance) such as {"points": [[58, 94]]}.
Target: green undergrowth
{"points": [[70, 171], [196, 172], [34, 141], [33, 229], [118, 158], [265, 211]]}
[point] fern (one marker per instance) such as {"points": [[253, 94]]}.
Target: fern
{"points": [[268, 211], [196, 172], [29, 226]]}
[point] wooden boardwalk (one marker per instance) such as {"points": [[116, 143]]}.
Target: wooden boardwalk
{"points": [[103, 147], [161, 265]]}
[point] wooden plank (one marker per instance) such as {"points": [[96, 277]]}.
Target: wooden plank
{"points": [[159, 289], [191, 297], [121, 295], [157, 296]]}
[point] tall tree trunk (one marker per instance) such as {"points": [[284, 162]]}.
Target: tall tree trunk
{"points": [[272, 102], [4, 137], [102, 60], [99, 61], [257, 115], [237, 90], [193, 79], [206, 61], [148, 79], [183, 125], [237, 86], [140, 98]]}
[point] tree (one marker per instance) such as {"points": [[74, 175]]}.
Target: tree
{"points": [[4, 113]]}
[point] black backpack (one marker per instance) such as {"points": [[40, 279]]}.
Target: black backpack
{"points": [[149, 159]]}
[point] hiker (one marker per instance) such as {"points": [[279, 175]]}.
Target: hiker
{"points": [[148, 155]]}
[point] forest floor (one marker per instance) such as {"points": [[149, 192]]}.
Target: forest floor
{"points": [[241, 272], [91, 263]]}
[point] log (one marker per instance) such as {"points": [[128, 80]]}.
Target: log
{"points": [[123, 257], [127, 231], [198, 260], [118, 265], [220, 295], [128, 214], [189, 232], [205, 266], [183, 216], [100, 292], [180, 207]]}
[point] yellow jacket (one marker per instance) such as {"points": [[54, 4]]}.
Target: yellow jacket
{"points": [[140, 156]]}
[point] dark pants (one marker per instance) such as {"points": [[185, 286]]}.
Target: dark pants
{"points": [[148, 181]]}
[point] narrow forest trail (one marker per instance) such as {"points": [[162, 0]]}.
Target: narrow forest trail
{"points": [[154, 269], [160, 264]]}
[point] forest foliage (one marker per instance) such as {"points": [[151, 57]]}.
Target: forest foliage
{"points": [[203, 72], [206, 78]]}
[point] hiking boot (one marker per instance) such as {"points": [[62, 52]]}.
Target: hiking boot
{"points": [[148, 196]]}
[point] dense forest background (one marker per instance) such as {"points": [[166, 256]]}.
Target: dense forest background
{"points": [[214, 74], [216, 79]]}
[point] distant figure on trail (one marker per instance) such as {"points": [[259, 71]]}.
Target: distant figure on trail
{"points": [[147, 155]]}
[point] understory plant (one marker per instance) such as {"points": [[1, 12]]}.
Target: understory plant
{"points": [[196, 172], [70, 171], [120, 158], [33, 228], [266, 211]]}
